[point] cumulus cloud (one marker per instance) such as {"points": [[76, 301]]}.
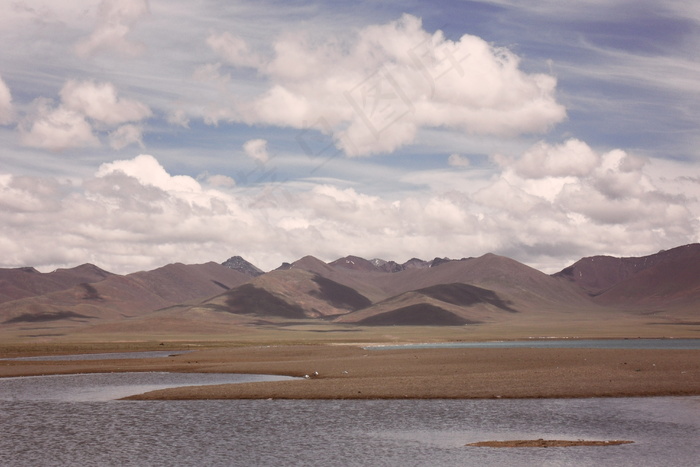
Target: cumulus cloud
{"points": [[572, 158], [134, 214], [148, 172], [375, 91], [592, 199], [115, 20], [56, 128], [256, 149], [6, 109], [99, 101], [86, 108]]}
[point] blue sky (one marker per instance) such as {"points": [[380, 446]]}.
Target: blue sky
{"points": [[137, 133]]}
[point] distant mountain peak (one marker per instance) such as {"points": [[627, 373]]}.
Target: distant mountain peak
{"points": [[439, 261], [28, 269], [415, 263], [381, 265], [386, 266], [353, 262], [239, 264]]}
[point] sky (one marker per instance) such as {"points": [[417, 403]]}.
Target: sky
{"points": [[137, 133]]}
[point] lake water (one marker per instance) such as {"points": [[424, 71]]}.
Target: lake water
{"points": [[689, 344], [93, 387], [101, 356], [48, 421]]}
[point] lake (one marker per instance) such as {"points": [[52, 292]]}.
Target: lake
{"points": [[59, 420], [101, 356], [687, 344]]}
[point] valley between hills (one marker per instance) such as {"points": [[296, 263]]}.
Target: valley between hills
{"points": [[357, 300]]}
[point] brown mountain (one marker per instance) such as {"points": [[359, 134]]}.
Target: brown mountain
{"points": [[362, 280], [437, 305], [445, 291], [671, 281], [28, 282], [354, 263], [594, 293], [241, 265], [523, 287], [596, 274], [292, 293], [121, 296]]}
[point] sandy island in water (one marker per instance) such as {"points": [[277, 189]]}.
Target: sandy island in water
{"points": [[351, 372], [545, 443]]}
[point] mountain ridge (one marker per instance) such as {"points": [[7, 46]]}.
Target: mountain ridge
{"points": [[354, 291]]}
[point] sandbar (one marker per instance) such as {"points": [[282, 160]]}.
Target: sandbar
{"points": [[352, 372], [546, 443]]}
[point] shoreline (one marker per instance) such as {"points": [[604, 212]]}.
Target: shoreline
{"points": [[352, 372]]}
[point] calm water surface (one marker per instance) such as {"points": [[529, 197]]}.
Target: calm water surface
{"points": [[47, 430], [688, 344], [102, 356]]}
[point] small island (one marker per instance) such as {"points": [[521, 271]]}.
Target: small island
{"points": [[546, 443]]}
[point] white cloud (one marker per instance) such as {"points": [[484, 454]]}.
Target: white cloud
{"points": [[256, 149], [6, 109], [178, 117], [457, 160], [609, 202], [220, 181], [134, 214], [56, 128], [99, 101], [115, 19], [86, 109], [148, 171], [375, 91], [126, 135], [572, 158], [233, 50]]}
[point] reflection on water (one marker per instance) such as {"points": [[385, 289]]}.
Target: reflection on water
{"points": [[665, 431]]}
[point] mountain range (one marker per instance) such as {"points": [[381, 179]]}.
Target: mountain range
{"points": [[662, 288]]}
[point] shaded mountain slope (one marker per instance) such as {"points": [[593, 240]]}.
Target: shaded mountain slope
{"points": [[419, 314], [464, 295], [446, 304], [248, 299], [28, 282], [291, 293], [118, 296], [361, 280], [666, 285], [177, 283], [596, 274], [526, 288]]}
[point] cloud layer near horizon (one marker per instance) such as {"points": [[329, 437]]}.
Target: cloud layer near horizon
{"points": [[133, 215]]}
